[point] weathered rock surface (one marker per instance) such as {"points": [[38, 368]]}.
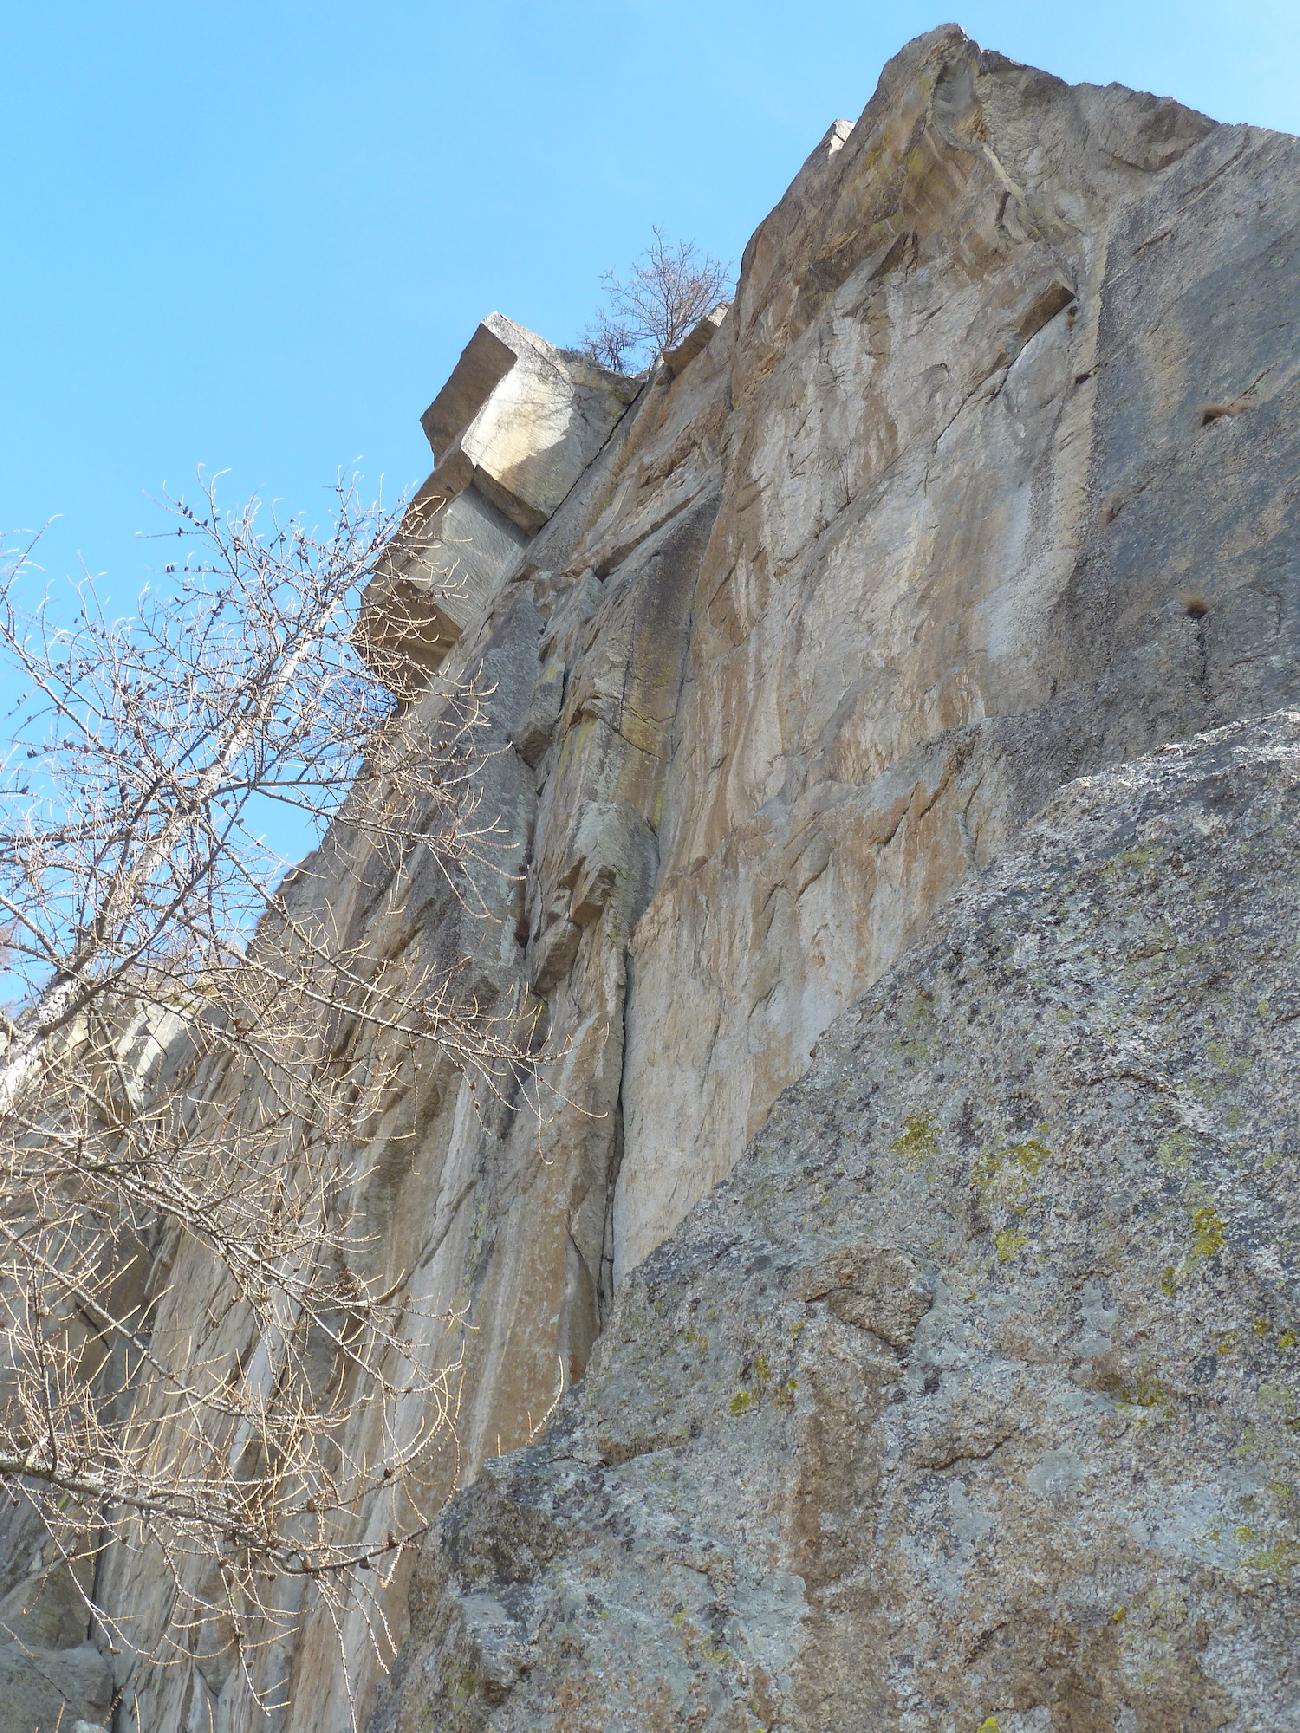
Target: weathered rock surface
{"points": [[972, 1398], [511, 431], [986, 482], [966, 489]]}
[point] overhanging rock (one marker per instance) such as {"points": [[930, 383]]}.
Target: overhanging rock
{"points": [[696, 339], [511, 431]]}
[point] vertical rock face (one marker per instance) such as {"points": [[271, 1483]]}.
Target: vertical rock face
{"points": [[985, 482], [969, 490]]}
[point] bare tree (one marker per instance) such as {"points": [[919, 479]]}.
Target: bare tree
{"points": [[667, 291], [163, 961]]}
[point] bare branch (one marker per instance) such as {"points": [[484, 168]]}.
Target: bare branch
{"points": [[184, 1082], [670, 288]]}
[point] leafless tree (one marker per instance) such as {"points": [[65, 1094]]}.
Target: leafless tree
{"points": [[179, 1084], [667, 291]]}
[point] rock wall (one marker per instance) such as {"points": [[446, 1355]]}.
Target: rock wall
{"points": [[985, 482]]}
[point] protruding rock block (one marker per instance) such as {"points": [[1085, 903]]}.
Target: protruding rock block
{"points": [[511, 431], [695, 339]]}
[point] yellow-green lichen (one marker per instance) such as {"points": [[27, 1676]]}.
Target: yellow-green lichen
{"points": [[1007, 1177], [464, 1685], [1147, 1397], [1174, 1154], [918, 1142], [1276, 1560], [1031, 1156], [1008, 1243], [1208, 1238], [1280, 1399]]}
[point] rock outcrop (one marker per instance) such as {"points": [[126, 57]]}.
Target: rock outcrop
{"points": [[971, 1398], [967, 1396], [511, 431]]}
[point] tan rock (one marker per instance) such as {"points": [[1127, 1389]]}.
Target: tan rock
{"points": [[511, 431], [695, 339]]}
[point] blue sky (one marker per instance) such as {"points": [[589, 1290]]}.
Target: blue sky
{"points": [[257, 235]]}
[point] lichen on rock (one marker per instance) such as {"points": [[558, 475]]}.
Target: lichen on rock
{"points": [[1039, 1489]]}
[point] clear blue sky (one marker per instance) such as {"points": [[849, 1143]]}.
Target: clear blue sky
{"points": [[258, 235]]}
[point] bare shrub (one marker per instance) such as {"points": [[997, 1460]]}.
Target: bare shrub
{"points": [[182, 1083], [670, 288]]}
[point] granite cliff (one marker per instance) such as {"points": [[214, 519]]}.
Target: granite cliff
{"points": [[927, 629]]}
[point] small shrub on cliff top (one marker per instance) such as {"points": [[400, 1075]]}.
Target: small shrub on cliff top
{"points": [[668, 289]]}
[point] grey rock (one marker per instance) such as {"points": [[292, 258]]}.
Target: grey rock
{"points": [[49, 1690], [972, 1397]]}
